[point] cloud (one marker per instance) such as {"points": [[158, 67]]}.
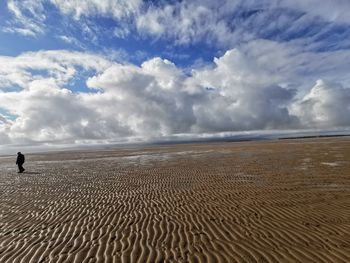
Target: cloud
{"points": [[121, 32], [259, 85], [45, 109], [245, 96], [192, 21], [71, 40], [228, 23], [326, 105], [149, 99], [223, 23], [5, 125], [329, 10], [56, 66], [117, 9], [28, 17]]}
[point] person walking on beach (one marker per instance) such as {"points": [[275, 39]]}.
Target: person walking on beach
{"points": [[20, 162]]}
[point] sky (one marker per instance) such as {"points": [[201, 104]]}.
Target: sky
{"points": [[104, 71]]}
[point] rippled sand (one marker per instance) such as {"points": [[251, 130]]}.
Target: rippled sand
{"points": [[283, 201]]}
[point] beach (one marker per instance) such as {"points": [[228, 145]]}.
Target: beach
{"points": [[260, 201]]}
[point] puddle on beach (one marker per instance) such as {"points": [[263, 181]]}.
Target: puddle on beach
{"points": [[330, 164], [332, 187], [305, 165], [142, 158]]}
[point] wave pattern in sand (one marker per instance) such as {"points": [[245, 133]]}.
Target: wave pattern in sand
{"points": [[235, 202]]}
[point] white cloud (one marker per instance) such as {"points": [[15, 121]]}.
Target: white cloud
{"points": [[326, 105], [114, 8], [260, 85], [219, 23], [58, 66], [71, 40], [228, 23], [329, 10], [5, 125], [29, 17], [148, 99], [191, 22], [121, 32]]}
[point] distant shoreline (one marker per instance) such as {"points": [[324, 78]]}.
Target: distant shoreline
{"points": [[314, 136], [246, 138]]}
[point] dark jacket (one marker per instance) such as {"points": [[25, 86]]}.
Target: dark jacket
{"points": [[20, 159]]}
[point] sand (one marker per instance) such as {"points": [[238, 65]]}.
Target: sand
{"points": [[274, 201]]}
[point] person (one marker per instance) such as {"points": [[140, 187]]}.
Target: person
{"points": [[20, 162]]}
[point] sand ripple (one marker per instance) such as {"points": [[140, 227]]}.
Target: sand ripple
{"points": [[233, 202]]}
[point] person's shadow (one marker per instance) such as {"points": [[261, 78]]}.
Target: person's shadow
{"points": [[31, 173]]}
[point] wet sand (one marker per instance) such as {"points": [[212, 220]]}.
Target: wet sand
{"points": [[273, 201]]}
